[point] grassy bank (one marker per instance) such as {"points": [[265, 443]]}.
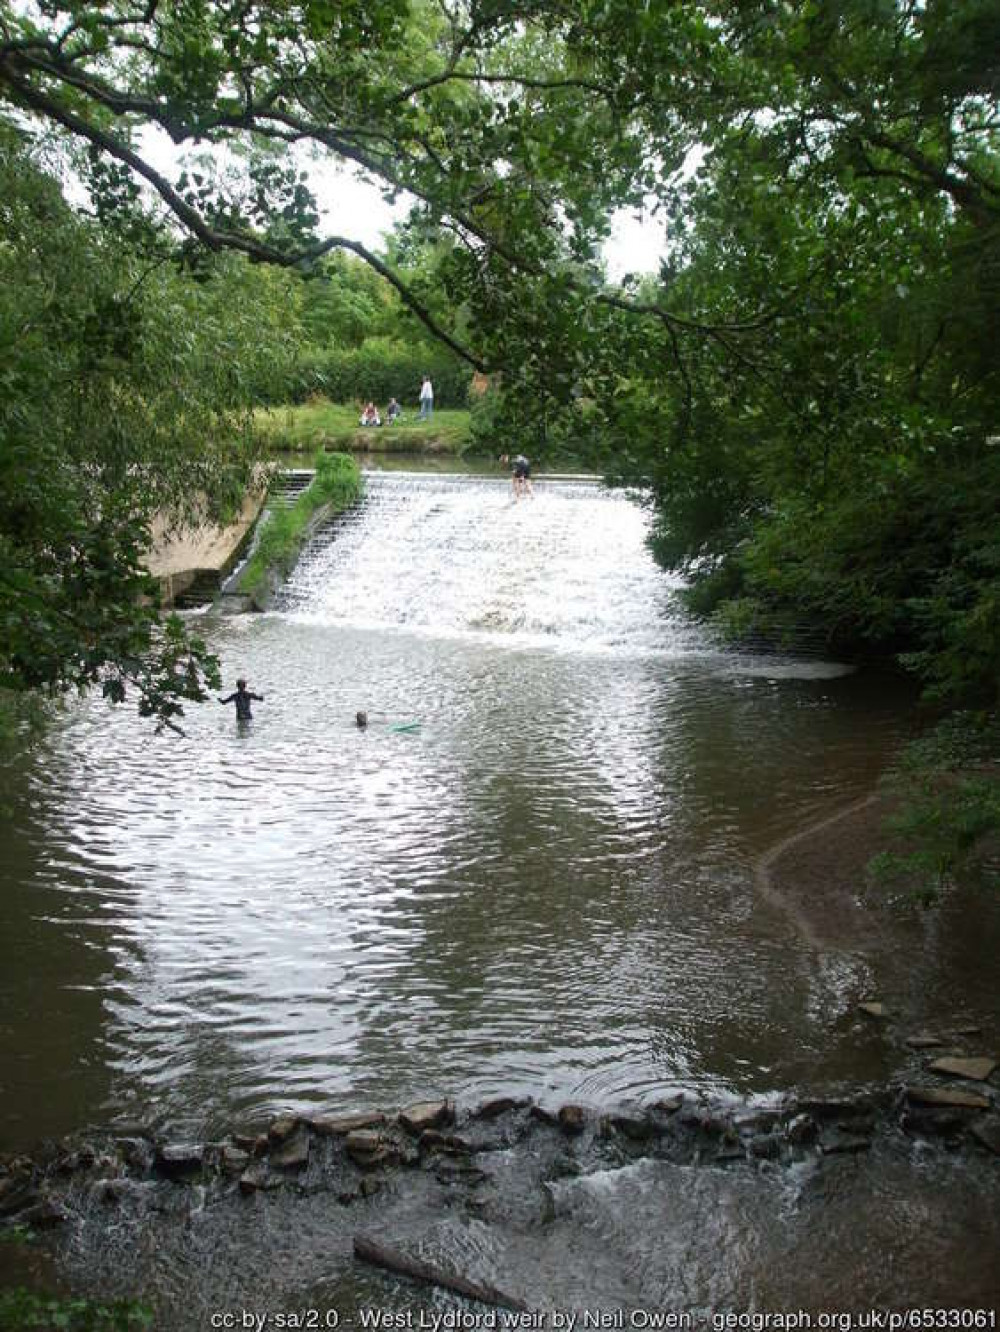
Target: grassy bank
{"points": [[337, 485], [319, 424]]}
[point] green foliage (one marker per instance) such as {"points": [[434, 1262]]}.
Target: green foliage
{"points": [[337, 482], [819, 432], [949, 817], [21, 1309], [378, 369], [355, 341], [125, 384], [562, 434], [22, 720], [16, 1234], [345, 302], [336, 486]]}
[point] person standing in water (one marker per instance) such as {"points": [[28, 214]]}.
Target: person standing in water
{"points": [[242, 699]]}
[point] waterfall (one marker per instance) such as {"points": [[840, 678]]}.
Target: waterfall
{"points": [[454, 556]]}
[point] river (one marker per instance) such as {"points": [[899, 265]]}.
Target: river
{"points": [[533, 871]]}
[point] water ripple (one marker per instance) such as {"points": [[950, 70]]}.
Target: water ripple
{"points": [[546, 886]]}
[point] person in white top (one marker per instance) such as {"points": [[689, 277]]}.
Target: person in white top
{"points": [[426, 398]]}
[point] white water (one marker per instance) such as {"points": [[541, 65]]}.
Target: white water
{"points": [[567, 570]]}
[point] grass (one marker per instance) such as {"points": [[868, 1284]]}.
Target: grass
{"points": [[337, 484], [21, 1309], [319, 424]]}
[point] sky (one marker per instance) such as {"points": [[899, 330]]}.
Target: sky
{"points": [[355, 208], [352, 207]]}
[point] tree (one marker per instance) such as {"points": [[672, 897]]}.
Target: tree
{"points": [[826, 453], [123, 398], [347, 304]]}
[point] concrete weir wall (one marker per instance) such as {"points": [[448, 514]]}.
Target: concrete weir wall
{"points": [[178, 559]]}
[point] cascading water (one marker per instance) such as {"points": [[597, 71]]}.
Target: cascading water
{"points": [[455, 556]]}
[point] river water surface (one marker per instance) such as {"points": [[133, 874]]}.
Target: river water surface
{"points": [[543, 884]]}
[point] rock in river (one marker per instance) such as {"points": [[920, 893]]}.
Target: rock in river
{"points": [[338, 1126], [572, 1118], [293, 1154], [366, 1148], [182, 1158], [426, 1115], [976, 1069], [947, 1096], [988, 1133]]}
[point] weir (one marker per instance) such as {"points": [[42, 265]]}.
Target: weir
{"points": [[568, 569], [454, 555]]}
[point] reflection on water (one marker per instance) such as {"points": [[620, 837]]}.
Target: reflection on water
{"points": [[547, 886]]}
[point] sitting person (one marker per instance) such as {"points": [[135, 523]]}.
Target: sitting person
{"points": [[370, 416], [393, 412]]}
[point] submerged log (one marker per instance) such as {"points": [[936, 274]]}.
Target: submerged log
{"points": [[393, 1260]]}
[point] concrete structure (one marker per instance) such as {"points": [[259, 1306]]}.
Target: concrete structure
{"points": [[179, 559]]}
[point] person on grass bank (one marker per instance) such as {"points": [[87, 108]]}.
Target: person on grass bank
{"points": [[370, 416], [242, 699], [393, 412], [426, 399]]}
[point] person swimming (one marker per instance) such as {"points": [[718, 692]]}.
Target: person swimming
{"points": [[242, 699]]}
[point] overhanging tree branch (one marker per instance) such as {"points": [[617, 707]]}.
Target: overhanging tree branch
{"points": [[219, 239]]}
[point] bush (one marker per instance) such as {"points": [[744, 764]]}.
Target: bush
{"points": [[21, 1309], [337, 483], [567, 435], [379, 369], [949, 783]]}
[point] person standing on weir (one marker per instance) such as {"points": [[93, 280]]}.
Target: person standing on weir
{"points": [[520, 478]]}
